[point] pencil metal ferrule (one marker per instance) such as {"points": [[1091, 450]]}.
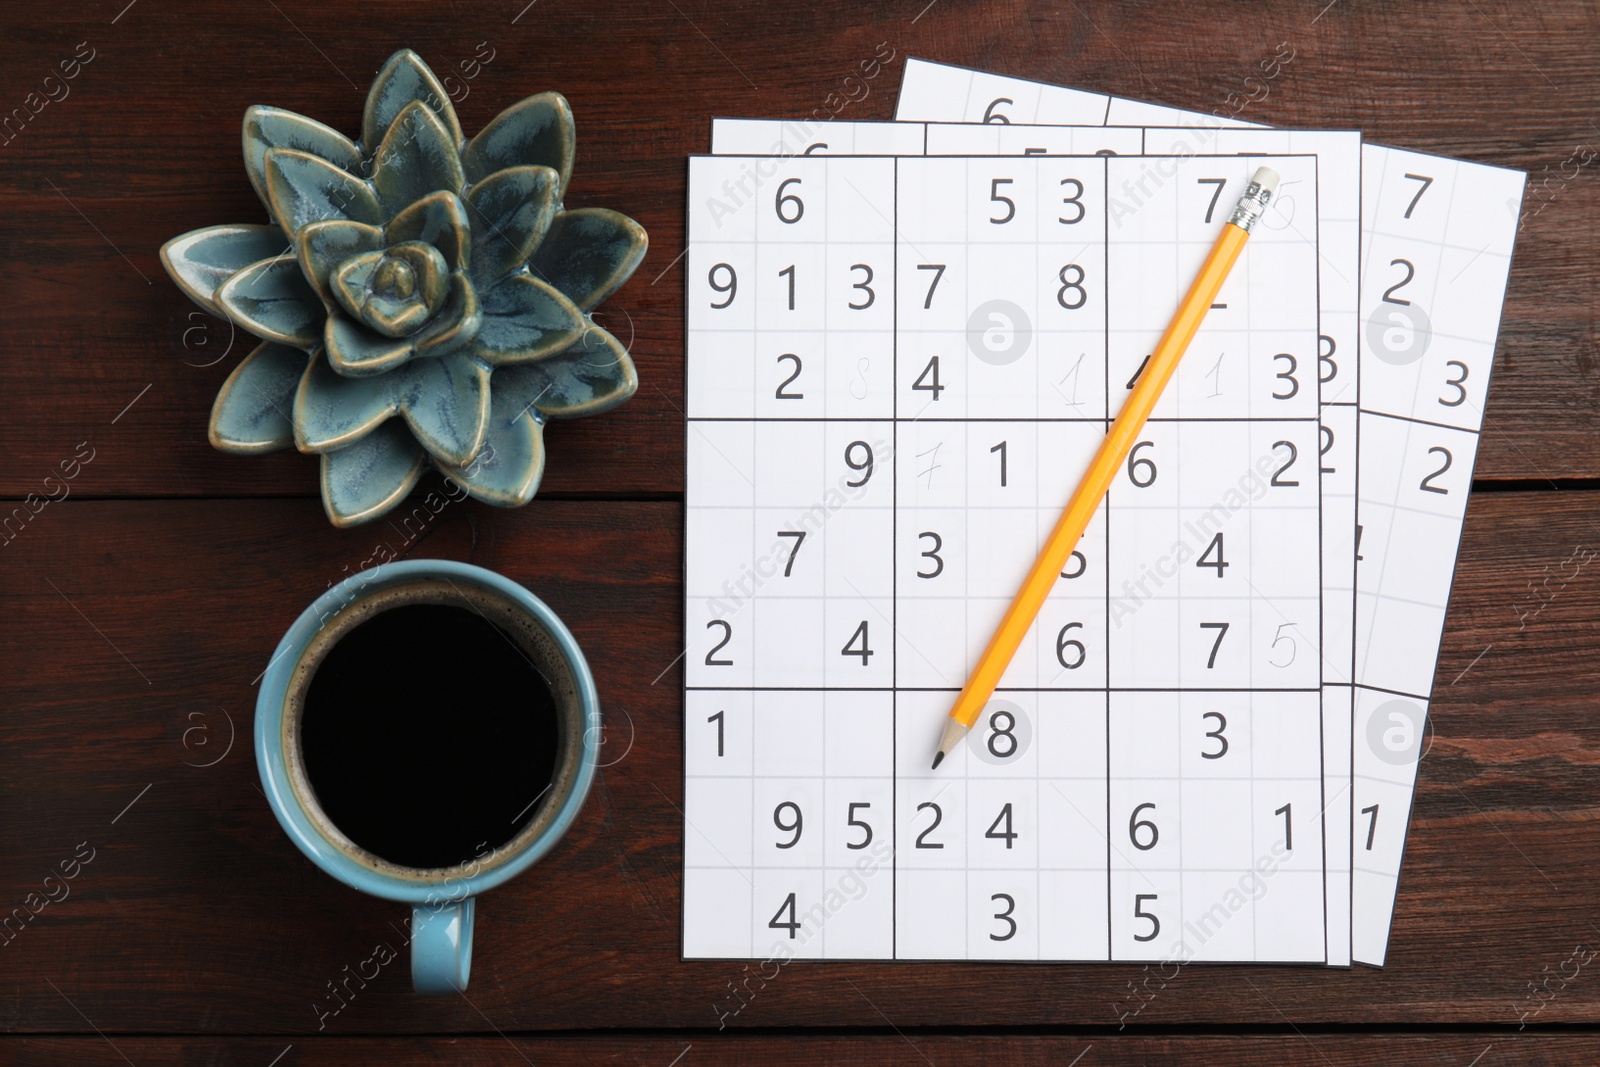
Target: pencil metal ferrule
{"points": [[1252, 205]]}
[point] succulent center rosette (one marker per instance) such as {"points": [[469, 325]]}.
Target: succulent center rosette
{"points": [[420, 297]]}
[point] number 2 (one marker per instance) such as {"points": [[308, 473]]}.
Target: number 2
{"points": [[1426, 485], [727, 635], [1411, 272], [779, 393]]}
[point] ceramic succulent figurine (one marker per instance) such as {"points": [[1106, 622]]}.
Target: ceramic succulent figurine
{"points": [[420, 297]]}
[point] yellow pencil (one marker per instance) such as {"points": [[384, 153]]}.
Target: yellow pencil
{"points": [[1107, 461]]}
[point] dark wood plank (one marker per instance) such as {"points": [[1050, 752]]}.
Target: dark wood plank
{"points": [[197, 915], [146, 146], [912, 1050]]}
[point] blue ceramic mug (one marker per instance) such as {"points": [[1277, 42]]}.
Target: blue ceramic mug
{"points": [[441, 898]]}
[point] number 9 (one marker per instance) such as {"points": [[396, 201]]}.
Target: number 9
{"points": [[731, 286], [863, 465]]}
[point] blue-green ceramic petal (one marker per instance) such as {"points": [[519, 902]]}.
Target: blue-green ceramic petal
{"points": [[395, 316], [446, 404], [302, 188], [348, 282], [272, 300], [273, 127], [361, 482], [589, 253], [439, 219], [404, 78], [429, 272], [525, 319], [506, 472], [324, 246], [357, 352], [537, 131], [510, 211], [332, 412], [252, 411], [417, 157], [201, 260], [456, 324], [592, 376]]}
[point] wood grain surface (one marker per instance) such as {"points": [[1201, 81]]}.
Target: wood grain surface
{"points": [[885, 1050], [147, 146], [139, 611], [131, 623]]}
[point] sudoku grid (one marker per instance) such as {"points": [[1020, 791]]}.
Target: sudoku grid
{"points": [[897, 368]]}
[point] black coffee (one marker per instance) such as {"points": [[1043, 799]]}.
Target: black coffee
{"points": [[428, 734]]}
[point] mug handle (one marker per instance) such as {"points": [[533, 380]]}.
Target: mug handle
{"points": [[441, 947]]}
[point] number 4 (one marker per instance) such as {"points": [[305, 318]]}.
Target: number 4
{"points": [[860, 635], [792, 925]]}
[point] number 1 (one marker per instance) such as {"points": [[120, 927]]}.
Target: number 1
{"points": [[717, 718], [789, 273]]}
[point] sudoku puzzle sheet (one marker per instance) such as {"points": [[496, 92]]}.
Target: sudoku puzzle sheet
{"points": [[897, 370], [1337, 222], [1436, 242]]}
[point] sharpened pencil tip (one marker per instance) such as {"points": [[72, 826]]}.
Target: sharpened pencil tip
{"points": [[938, 758]]}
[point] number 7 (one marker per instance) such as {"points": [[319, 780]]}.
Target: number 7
{"points": [[1222, 631], [938, 272], [1426, 181], [799, 539], [1219, 183]]}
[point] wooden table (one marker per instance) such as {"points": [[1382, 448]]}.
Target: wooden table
{"points": [[140, 608]]}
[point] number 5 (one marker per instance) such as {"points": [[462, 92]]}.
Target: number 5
{"points": [[1140, 913], [996, 198], [1281, 636]]}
